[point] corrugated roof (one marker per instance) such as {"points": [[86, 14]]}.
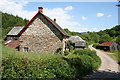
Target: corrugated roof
{"points": [[106, 44], [13, 44], [51, 21], [15, 30], [77, 40]]}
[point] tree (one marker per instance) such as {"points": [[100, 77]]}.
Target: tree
{"points": [[95, 37], [112, 33], [105, 38], [118, 40], [9, 21]]}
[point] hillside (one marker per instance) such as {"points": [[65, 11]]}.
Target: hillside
{"points": [[112, 34], [9, 21]]}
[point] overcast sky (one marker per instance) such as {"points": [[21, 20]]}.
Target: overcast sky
{"points": [[76, 16]]}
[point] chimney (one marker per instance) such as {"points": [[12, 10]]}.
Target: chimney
{"points": [[40, 9], [54, 19]]}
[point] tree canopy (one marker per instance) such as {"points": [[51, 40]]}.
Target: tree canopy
{"points": [[9, 21], [107, 35]]}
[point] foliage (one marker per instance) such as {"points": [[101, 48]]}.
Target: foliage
{"points": [[69, 45], [81, 64], [59, 50], [105, 38], [35, 65], [89, 53], [9, 21], [95, 45], [99, 37], [66, 52], [118, 40], [115, 56]]}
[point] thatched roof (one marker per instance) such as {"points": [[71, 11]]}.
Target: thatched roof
{"points": [[78, 41]]}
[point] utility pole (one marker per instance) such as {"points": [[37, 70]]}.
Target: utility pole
{"points": [[118, 12]]}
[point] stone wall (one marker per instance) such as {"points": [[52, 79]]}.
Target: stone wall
{"points": [[12, 37], [113, 46], [41, 36]]}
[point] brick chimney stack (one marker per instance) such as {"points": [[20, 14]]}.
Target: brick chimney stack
{"points": [[54, 19], [40, 9]]}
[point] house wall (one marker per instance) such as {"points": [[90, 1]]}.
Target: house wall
{"points": [[41, 36], [63, 42]]}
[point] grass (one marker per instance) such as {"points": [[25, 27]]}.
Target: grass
{"points": [[115, 55], [35, 65]]}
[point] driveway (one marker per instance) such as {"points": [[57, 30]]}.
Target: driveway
{"points": [[109, 68]]}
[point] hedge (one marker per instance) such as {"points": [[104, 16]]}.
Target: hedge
{"points": [[35, 65]]}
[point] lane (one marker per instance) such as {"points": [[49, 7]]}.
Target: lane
{"points": [[108, 69]]}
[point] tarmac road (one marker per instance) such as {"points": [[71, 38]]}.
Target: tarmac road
{"points": [[109, 69]]}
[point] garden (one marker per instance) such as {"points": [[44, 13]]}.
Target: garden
{"points": [[76, 64]]}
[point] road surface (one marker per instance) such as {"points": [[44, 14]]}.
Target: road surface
{"points": [[109, 68]]}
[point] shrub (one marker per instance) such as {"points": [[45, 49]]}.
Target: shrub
{"points": [[35, 65], [66, 52], [82, 64], [59, 50], [90, 53], [95, 45], [71, 48], [69, 45]]}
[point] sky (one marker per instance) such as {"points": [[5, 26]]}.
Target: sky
{"points": [[76, 16]]}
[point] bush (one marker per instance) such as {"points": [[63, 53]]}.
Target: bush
{"points": [[69, 45], [35, 65], [90, 53], [95, 45], [71, 48], [82, 65], [66, 52]]}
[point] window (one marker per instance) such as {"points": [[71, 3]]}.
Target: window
{"points": [[25, 49]]}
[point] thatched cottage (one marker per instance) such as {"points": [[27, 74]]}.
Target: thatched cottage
{"points": [[78, 42], [41, 34]]}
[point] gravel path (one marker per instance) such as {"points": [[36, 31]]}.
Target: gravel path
{"points": [[109, 69]]}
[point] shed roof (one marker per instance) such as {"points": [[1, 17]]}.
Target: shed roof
{"points": [[78, 41], [106, 44], [13, 44], [47, 18], [15, 30]]}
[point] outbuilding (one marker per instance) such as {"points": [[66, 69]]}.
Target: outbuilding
{"points": [[109, 46], [78, 42]]}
